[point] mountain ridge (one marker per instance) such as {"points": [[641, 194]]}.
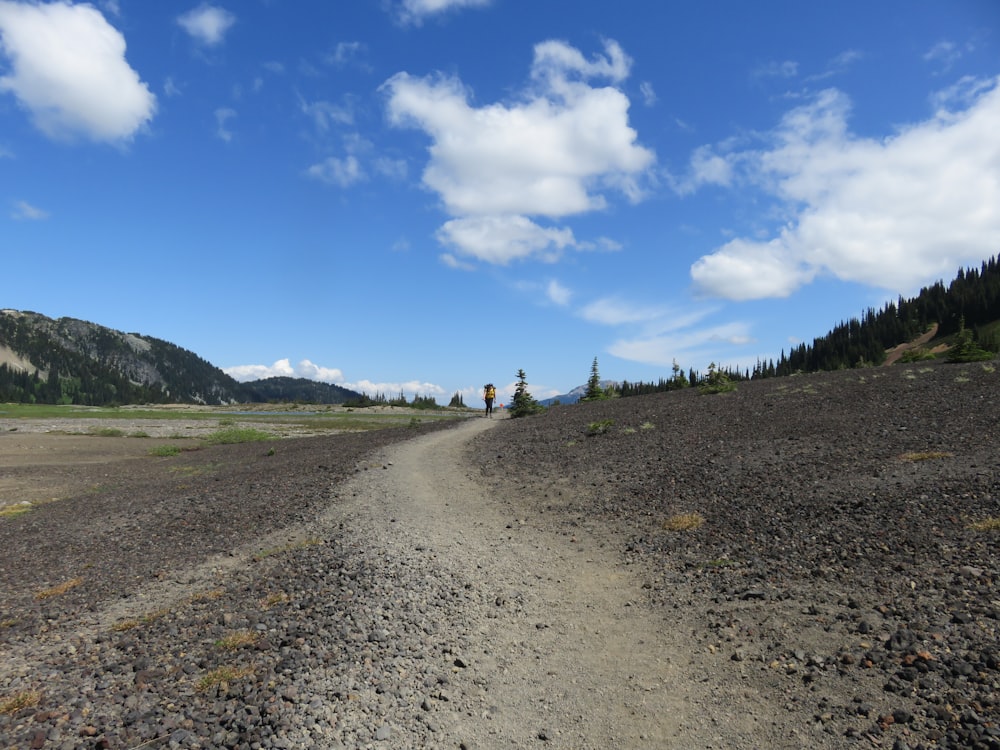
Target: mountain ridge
{"points": [[72, 361]]}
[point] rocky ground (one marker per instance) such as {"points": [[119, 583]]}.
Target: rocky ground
{"points": [[518, 583]]}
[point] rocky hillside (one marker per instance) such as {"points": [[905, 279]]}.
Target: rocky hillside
{"points": [[65, 360]]}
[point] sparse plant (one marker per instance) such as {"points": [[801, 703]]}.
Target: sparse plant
{"points": [[221, 676], [629, 430], [647, 426], [271, 600], [58, 590], [19, 701], [9, 511], [991, 523], [684, 522], [125, 625], [237, 640], [600, 427]]}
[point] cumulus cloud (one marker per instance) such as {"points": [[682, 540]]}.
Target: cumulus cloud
{"points": [[415, 11], [503, 169], [207, 24], [894, 213], [501, 239], [67, 68], [283, 368]]}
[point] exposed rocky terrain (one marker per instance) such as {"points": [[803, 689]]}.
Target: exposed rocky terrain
{"points": [[517, 583]]}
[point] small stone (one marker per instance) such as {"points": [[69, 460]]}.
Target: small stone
{"points": [[383, 733]]}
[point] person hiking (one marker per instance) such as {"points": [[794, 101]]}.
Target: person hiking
{"points": [[489, 393]]}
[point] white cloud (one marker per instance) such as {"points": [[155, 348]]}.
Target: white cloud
{"points": [[283, 368], [649, 97], [409, 388], [775, 69], [613, 311], [557, 293], [895, 213], [501, 239], [24, 210], [554, 152], [336, 171], [325, 115], [415, 11], [68, 70], [207, 24], [691, 346], [222, 116]]}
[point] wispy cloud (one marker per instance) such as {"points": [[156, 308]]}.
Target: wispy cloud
{"points": [[25, 211], [222, 117], [415, 12], [88, 89]]}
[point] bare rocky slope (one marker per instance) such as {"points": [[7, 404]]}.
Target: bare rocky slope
{"points": [[837, 573], [517, 583]]}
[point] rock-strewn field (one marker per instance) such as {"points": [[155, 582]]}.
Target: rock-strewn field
{"points": [[838, 572], [837, 592]]}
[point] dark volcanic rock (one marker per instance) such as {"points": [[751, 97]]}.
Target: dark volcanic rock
{"points": [[837, 546]]}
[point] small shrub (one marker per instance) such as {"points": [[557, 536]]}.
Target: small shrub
{"points": [[279, 597], [684, 522], [20, 701], [647, 426], [987, 524], [600, 427]]}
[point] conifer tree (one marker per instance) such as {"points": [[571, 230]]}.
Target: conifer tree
{"points": [[524, 403], [594, 391]]}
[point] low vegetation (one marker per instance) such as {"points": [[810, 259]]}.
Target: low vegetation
{"points": [[58, 589], [19, 701], [222, 676], [235, 641], [684, 522], [991, 523], [235, 435]]}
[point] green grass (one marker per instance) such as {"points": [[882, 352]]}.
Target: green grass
{"points": [[9, 511], [165, 450], [234, 435]]}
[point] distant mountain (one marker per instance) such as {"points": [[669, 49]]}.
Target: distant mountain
{"points": [[70, 361], [299, 389], [576, 394]]}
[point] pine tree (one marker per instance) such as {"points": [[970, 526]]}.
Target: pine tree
{"points": [[594, 391], [457, 400], [524, 403]]}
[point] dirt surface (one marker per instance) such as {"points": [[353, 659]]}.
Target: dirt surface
{"points": [[835, 595]]}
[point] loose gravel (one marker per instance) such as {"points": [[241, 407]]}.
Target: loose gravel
{"points": [[516, 583]]}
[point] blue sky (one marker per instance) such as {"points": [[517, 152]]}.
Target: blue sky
{"points": [[425, 195]]}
